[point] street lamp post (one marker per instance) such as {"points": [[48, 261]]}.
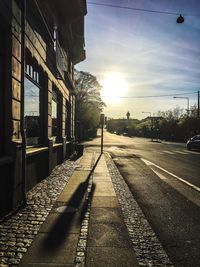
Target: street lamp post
{"points": [[188, 106], [151, 123]]}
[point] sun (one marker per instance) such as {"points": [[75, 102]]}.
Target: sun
{"points": [[114, 87]]}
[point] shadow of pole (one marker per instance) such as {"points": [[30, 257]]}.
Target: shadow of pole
{"points": [[78, 202]]}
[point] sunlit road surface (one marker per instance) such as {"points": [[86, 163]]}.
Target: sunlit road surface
{"points": [[172, 157], [165, 180]]}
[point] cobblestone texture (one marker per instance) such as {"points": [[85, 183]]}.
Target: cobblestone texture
{"points": [[17, 233], [147, 247], [82, 243]]}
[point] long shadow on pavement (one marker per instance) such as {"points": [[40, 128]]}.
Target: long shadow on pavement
{"points": [[76, 207]]}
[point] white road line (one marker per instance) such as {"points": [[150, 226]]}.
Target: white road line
{"points": [[173, 175], [181, 152], [182, 188], [168, 152]]}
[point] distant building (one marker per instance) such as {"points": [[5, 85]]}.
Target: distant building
{"points": [[40, 42], [128, 115]]}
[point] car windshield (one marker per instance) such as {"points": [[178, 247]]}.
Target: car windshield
{"points": [[196, 137]]}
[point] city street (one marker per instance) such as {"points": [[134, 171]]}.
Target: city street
{"points": [[172, 157], [164, 179], [72, 193]]}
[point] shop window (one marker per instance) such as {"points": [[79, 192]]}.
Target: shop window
{"points": [[72, 99], [32, 106], [68, 120]]}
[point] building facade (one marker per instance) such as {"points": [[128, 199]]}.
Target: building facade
{"points": [[40, 42]]}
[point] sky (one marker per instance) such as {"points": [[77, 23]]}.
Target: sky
{"points": [[139, 56]]}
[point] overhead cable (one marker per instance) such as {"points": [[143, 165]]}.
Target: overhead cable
{"points": [[141, 9], [149, 96]]}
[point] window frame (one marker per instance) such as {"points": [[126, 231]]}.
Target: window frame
{"points": [[72, 123], [68, 120], [55, 91], [34, 74]]}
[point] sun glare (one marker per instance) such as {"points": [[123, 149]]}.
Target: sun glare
{"points": [[114, 87]]}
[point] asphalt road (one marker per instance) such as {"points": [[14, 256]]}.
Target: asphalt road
{"points": [[173, 157], [164, 178]]}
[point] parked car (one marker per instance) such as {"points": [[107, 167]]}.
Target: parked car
{"points": [[193, 142]]}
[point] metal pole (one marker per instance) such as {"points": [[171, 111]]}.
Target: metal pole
{"points": [[198, 115], [102, 119], [102, 138], [152, 128]]}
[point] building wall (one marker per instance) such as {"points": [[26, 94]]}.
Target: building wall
{"points": [[39, 160]]}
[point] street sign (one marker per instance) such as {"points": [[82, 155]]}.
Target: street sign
{"points": [[102, 119]]}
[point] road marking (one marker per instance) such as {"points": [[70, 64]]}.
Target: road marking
{"points": [[148, 163], [181, 152], [182, 188], [168, 152]]}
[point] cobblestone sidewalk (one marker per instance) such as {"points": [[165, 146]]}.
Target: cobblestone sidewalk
{"points": [[17, 233]]}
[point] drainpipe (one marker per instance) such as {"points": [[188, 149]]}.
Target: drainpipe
{"points": [[22, 126]]}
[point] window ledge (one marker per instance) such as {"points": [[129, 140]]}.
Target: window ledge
{"points": [[5, 160], [35, 150], [57, 144]]}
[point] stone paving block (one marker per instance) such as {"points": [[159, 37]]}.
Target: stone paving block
{"points": [[104, 189], [101, 171], [105, 215], [73, 193], [70, 187], [105, 201], [101, 179], [65, 197], [45, 265], [108, 235], [78, 177], [112, 257], [51, 249], [62, 223]]}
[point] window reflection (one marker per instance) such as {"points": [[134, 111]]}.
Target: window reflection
{"points": [[54, 113], [32, 112]]}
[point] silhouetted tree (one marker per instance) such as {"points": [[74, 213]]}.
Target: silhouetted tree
{"points": [[89, 104], [173, 125]]}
